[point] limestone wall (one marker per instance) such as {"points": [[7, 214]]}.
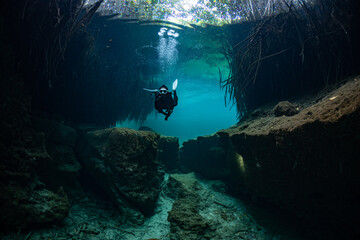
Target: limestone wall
{"points": [[307, 164]]}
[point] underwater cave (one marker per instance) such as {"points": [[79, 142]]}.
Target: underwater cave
{"points": [[179, 119]]}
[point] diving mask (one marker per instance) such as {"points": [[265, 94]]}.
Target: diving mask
{"points": [[163, 91]]}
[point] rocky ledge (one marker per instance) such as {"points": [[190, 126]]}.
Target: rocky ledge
{"points": [[306, 163]]}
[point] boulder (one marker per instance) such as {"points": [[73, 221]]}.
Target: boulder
{"points": [[168, 153], [285, 108], [205, 155], [124, 164]]}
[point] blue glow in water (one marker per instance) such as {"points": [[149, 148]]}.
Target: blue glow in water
{"points": [[201, 111], [201, 108]]}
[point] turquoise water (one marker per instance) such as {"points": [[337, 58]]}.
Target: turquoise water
{"points": [[200, 111], [193, 56]]}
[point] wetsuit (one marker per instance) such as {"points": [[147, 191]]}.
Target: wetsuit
{"points": [[165, 102]]}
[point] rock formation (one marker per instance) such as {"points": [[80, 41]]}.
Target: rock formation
{"points": [[124, 164], [285, 108], [186, 222], [24, 200], [62, 169], [205, 155], [23, 207], [203, 210], [168, 153], [306, 163]]}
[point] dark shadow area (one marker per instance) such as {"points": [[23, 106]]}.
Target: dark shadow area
{"points": [[61, 69], [70, 71]]}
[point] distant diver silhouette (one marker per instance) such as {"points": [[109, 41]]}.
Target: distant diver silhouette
{"points": [[164, 99]]}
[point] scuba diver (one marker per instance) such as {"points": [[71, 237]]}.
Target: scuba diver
{"points": [[164, 99]]}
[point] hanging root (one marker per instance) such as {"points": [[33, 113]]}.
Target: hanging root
{"points": [[282, 48], [61, 19]]}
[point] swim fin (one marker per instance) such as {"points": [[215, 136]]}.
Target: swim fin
{"points": [[174, 86]]}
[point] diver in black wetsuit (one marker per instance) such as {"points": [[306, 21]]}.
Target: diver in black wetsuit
{"points": [[165, 102]]}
